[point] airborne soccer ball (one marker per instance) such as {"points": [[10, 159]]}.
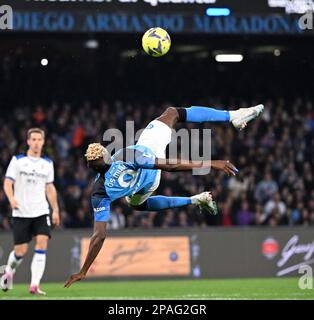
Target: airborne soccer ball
{"points": [[156, 42]]}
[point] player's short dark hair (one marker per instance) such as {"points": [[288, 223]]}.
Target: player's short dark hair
{"points": [[35, 130]]}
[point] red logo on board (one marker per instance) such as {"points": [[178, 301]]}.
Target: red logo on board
{"points": [[270, 248]]}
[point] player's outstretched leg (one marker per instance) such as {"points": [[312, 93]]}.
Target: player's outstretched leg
{"points": [[6, 281], [156, 203], [239, 118]]}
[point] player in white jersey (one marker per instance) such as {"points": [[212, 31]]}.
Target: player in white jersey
{"points": [[28, 184]]}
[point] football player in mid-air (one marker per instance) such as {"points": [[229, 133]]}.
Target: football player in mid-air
{"points": [[138, 178]]}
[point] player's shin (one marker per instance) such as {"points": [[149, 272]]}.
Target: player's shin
{"points": [[203, 114], [156, 203], [13, 262]]}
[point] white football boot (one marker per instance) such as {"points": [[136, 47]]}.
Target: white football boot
{"points": [[6, 282], [205, 202], [242, 116], [36, 291]]}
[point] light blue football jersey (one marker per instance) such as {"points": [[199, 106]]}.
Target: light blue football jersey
{"points": [[131, 172]]}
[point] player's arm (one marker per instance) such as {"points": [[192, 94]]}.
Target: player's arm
{"points": [[172, 165], [101, 208], [96, 243], [51, 193], [147, 160], [8, 185], [8, 189]]}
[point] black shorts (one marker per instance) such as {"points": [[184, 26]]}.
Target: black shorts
{"points": [[25, 228]]}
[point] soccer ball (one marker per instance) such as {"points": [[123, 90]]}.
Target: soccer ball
{"points": [[156, 42]]}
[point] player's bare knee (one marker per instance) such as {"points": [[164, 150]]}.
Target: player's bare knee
{"points": [[130, 204], [41, 243], [21, 250], [171, 113], [170, 117], [20, 253]]}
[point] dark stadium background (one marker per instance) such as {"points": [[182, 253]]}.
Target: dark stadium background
{"points": [[83, 91]]}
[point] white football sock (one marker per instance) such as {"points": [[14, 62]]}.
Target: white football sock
{"points": [[38, 266], [194, 199], [13, 262], [233, 114]]}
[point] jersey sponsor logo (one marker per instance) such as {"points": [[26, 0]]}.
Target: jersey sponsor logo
{"points": [[32, 177], [33, 174]]}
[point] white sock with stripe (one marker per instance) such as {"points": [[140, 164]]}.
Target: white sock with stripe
{"points": [[38, 266]]}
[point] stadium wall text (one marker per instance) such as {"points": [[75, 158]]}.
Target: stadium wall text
{"points": [[192, 253], [67, 21]]}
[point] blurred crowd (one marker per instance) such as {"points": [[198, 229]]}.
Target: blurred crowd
{"points": [[275, 185]]}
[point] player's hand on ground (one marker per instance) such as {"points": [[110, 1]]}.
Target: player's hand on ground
{"points": [[226, 166], [55, 218], [74, 278], [13, 203]]}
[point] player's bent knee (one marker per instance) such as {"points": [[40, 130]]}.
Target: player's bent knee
{"points": [[20, 253], [171, 112], [170, 117], [21, 250], [138, 202]]}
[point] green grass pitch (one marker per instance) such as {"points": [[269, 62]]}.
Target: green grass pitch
{"points": [[280, 288]]}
